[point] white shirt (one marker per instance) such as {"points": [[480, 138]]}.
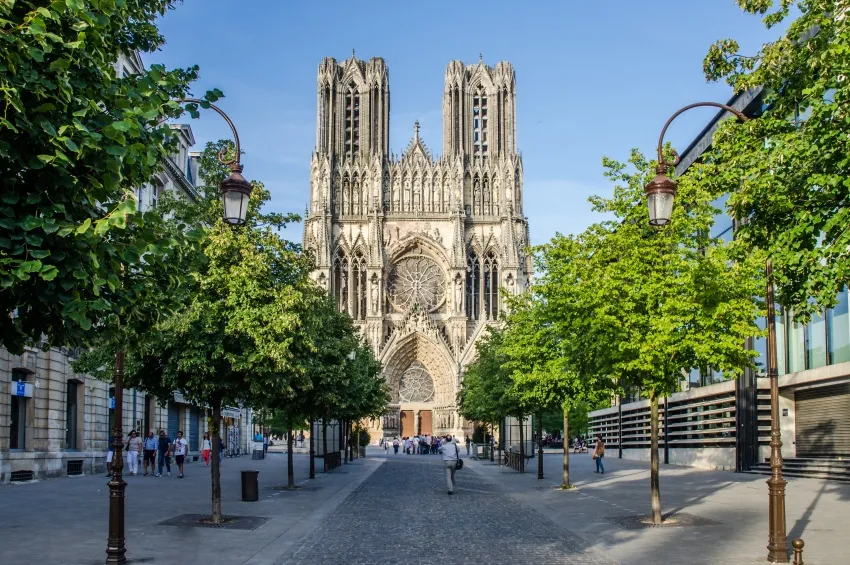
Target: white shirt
{"points": [[449, 453], [207, 445], [180, 445]]}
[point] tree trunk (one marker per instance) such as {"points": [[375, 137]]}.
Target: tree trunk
{"points": [[345, 441], [565, 482], [290, 468], [499, 445], [653, 475], [216, 467], [312, 451], [492, 442], [539, 446], [357, 443], [324, 444], [521, 447]]}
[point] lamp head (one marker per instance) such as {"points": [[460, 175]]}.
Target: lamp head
{"points": [[660, 193], [235, 192]]}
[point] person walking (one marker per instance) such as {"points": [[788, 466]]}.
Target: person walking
{"points": [[206, 448], [181, 450], [598, 454], [150, 446], [450, 457], [265, 444], [466, 441], [134, 450], [163, 448], [395, 446]]}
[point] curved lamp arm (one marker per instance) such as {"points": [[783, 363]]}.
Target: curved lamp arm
{"points": [[661, 162], [234, 163]]}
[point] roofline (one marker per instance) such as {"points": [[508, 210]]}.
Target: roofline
{"points": [[746, 102]]}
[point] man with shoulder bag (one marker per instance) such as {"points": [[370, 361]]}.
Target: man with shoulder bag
{"points": [[451, 461]]}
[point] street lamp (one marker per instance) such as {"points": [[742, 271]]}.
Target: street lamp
{"points": [[235, 192], [660, 193]]}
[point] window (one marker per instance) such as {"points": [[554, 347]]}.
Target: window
{"points": [[479, 123], [816, 342], [110, 422], [18, 415], [340, 281], [141, 204], [71, 415], [352, 121], [796, 346], [781, 342], [358, 277], [491, 287], [473, 286], [838, 330]]}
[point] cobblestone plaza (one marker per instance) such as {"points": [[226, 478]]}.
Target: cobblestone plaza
{"points": [[394, 509]]}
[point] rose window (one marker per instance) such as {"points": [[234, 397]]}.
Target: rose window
{"points": [[416, 385], [416, 282]]}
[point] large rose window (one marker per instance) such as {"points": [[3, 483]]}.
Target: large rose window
{"points": [[416, 385], [416, 282]]}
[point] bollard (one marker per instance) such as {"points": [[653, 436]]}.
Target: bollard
{"points": [[798, 544]]}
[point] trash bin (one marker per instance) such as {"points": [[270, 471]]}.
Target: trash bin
{"points": [[250, 486]]}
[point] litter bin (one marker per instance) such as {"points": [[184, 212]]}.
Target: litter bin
{"points": [[250, 486]]}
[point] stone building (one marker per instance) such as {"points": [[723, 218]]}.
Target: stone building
{"points": [[419, 249], [55, 422]]}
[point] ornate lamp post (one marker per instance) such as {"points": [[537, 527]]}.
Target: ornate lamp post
{"points": [[660, 193], [235, 192]]}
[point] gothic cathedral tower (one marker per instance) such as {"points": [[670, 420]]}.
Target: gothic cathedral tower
{"points": [[418, 249]]}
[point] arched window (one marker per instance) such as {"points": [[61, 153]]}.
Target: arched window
{"points": [[491, 286], [479, 123], [340, 281], [473, 286], [352, 120], [358, 278]]}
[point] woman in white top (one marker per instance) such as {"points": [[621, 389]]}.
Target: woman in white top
{"points": [[134, 450]]}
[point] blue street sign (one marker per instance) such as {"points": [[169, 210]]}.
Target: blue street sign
{"points": [[112, 403], [21, 389]]}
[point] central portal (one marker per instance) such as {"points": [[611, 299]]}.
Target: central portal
{"points": [[425, 423]]}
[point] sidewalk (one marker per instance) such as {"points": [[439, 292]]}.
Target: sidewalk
{"points": [[729, 511], [65, 521]]}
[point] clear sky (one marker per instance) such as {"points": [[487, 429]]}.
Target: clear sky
{"points": [[594, 78]]}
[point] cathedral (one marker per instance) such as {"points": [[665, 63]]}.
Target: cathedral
{"points": [[419, 249]]}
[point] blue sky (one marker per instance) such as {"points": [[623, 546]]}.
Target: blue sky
{"points": [[594, 78]]}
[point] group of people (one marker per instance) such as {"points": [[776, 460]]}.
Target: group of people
{"points": [[417, 445], [156, 452]]}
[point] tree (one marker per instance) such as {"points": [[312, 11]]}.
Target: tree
{"points": [[640, 306], [788, 171], [229, 342], [75, 140]]}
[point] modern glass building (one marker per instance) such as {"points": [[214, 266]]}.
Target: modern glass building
{"points": [[717, 423]]}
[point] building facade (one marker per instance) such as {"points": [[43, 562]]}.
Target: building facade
{"points": [[419, 249], [55, 422], [715, 423]]}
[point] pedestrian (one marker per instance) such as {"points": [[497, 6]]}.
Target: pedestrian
{"points": [[265, 443], [598, 454], [450, 457], [181, 450], [206, 449], [386, 447], [134, 450], [150, 452], [395, 446], [466, 441], [109, 455], [163, 448]]}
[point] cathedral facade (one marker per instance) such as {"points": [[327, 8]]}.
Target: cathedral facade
{"points": [[419, 249]]}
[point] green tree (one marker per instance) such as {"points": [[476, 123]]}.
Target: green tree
{"points": [[78, 139], [788, 171], [229, 342], [642, 305]]}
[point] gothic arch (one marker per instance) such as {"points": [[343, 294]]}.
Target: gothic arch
{"points": [[426, 244], [432, 355]]}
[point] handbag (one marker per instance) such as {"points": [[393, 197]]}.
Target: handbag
{"points": [[595, 455], [459, 462]]}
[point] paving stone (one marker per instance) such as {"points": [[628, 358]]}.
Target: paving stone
{"points": [[403, 514]]}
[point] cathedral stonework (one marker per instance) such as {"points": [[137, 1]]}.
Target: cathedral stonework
{"points": [[420, 250]]}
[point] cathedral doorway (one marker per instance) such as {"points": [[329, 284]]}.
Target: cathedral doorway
{"points": [[425, 423], [408, 426]]}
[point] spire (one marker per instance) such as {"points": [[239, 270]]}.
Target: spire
{"points": [[480, 59], [352, 53], [416, 130]]}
